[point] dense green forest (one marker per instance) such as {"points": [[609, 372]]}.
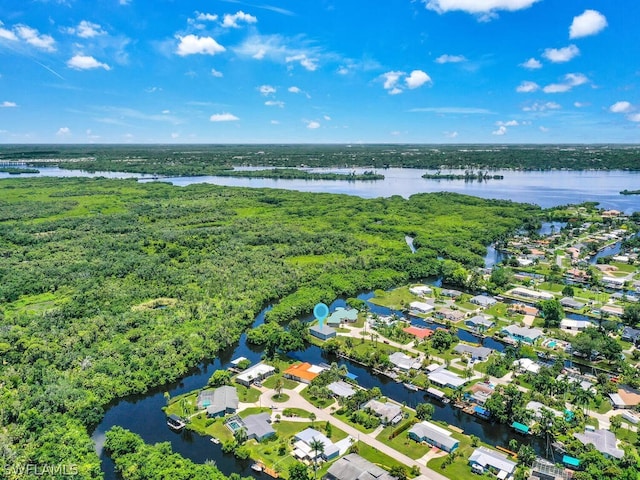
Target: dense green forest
{"points": [[111, 287], [209, 159]]}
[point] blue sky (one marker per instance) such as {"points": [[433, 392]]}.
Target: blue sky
{"points": [[319, 71]]}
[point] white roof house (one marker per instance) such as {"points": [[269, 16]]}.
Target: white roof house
{"points": [[446, 378], [574, 325], [421, 307], [528, 293], [388, 412], [536, 408], [604, 441], [483, 300], [341, 389], [303, 448], [485, 457], [526, 365], [255, 373], [420, 290], [404, 362]]}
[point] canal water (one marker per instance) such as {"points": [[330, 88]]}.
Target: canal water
{"points": [[143, 414]]}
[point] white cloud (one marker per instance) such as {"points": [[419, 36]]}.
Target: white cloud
{"points": [[416, 79], [327, 118], [308, 63], [581, 104], [509, 123], [274, 103], [216, 73], [175, 135], [395, 91], [294, 90], [166, 112], [63, 132], [527, 87], [86, 29], [635, 117], [266, 90], [312, 125], [85, 62], [500, 131], [192, 44], [391, 79], [541, 107], [454, 110], [223, 117], [484, 8], [570, 80], [450, 59], [7, 34], [206, 17], [561, 55], [620, 107], [231, 21], [453, 134], [35, 39], [274, 122], [588, 23], [543, 129], [343, 70], [7, 104], [532, 64]]}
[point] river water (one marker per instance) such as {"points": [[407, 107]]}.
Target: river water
{"points": [[142, 414], [544, 188]]}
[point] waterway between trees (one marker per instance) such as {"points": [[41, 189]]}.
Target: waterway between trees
{"points": [[143, 414]]}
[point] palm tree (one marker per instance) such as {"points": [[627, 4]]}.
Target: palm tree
{"points": [[312, 417], [546, 428], [582, 398], [279, 385], [318, 448]]}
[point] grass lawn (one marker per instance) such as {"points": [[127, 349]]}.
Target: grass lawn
{"points": [[177, 404], [279, 398], [604, 407], [247, 395], [318, 402], [397, 298], [287, 383], [459, 469], [345, 418], [375, 456], [253, 410], [402, 442], [627, 435], [296, 412], [498, 310], [467, 305], [551, 287]]}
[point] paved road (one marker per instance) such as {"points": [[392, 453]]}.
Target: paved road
{"points": [[297, 401]]}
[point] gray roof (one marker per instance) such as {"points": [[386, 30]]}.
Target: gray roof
{"points": [[404, 361], [483, 300], [524, 332], [341, 389], [258, 425], [308, 435], [476, 352], [480, 320], [388, 411], [603, 440], [631, 333], [571, 303], [486, 457], [354, 467], [324, 330], [219, 400], [442, 376], [430, 432]]}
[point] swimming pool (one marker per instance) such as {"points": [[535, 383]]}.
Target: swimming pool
{"points": [[234, 425]]}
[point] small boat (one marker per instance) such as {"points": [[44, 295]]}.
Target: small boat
{"points": [[175, 422], [215, 440], [411, 386], [258, 467]]}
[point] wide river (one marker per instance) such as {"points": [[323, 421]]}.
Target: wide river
{"points": [[544, 188]]}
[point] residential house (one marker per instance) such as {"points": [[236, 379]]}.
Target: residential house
{"points": [[611, 310], [302, 372], [420, 307], [483, 300], [404, 362], [342, 315], [572, 303], [418, 332], [389, 413], [526, 365], [604, 441], [446, 378], [433, 435], [354, 467], [258, 426], [522, 334], [257, 373], [218, 402], [302, 446], [522, 309], [479, 323], [613, 282], [420, 290], [449, 314], [574, 325], [484, 458], [323, 332], [536, 408], [630, 334], [475, 353], [528, 293], [341, 389], [447, 292], [625, 397]]}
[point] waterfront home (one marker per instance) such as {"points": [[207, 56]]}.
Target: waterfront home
{"points": [[354, 467], [528, 293], [611, 310], [323, 332], [302, 372], [479, 323], [572, 303], [388, 413], [484, 459], [420, 307], [258, 426], [418, 332], [447, 292], [218, 402], [483, 300], [625, 397], [574, 325], [604, 441], [404, 362], [522, 334], [446, 313], [342, 315], [475, 353], [341, 389], [613, 282], [630, 334], [522, 309], [420, 290], [257, 373], [527, 365], [302, 446], [446, 378], [433, 435], [536, 408]]}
